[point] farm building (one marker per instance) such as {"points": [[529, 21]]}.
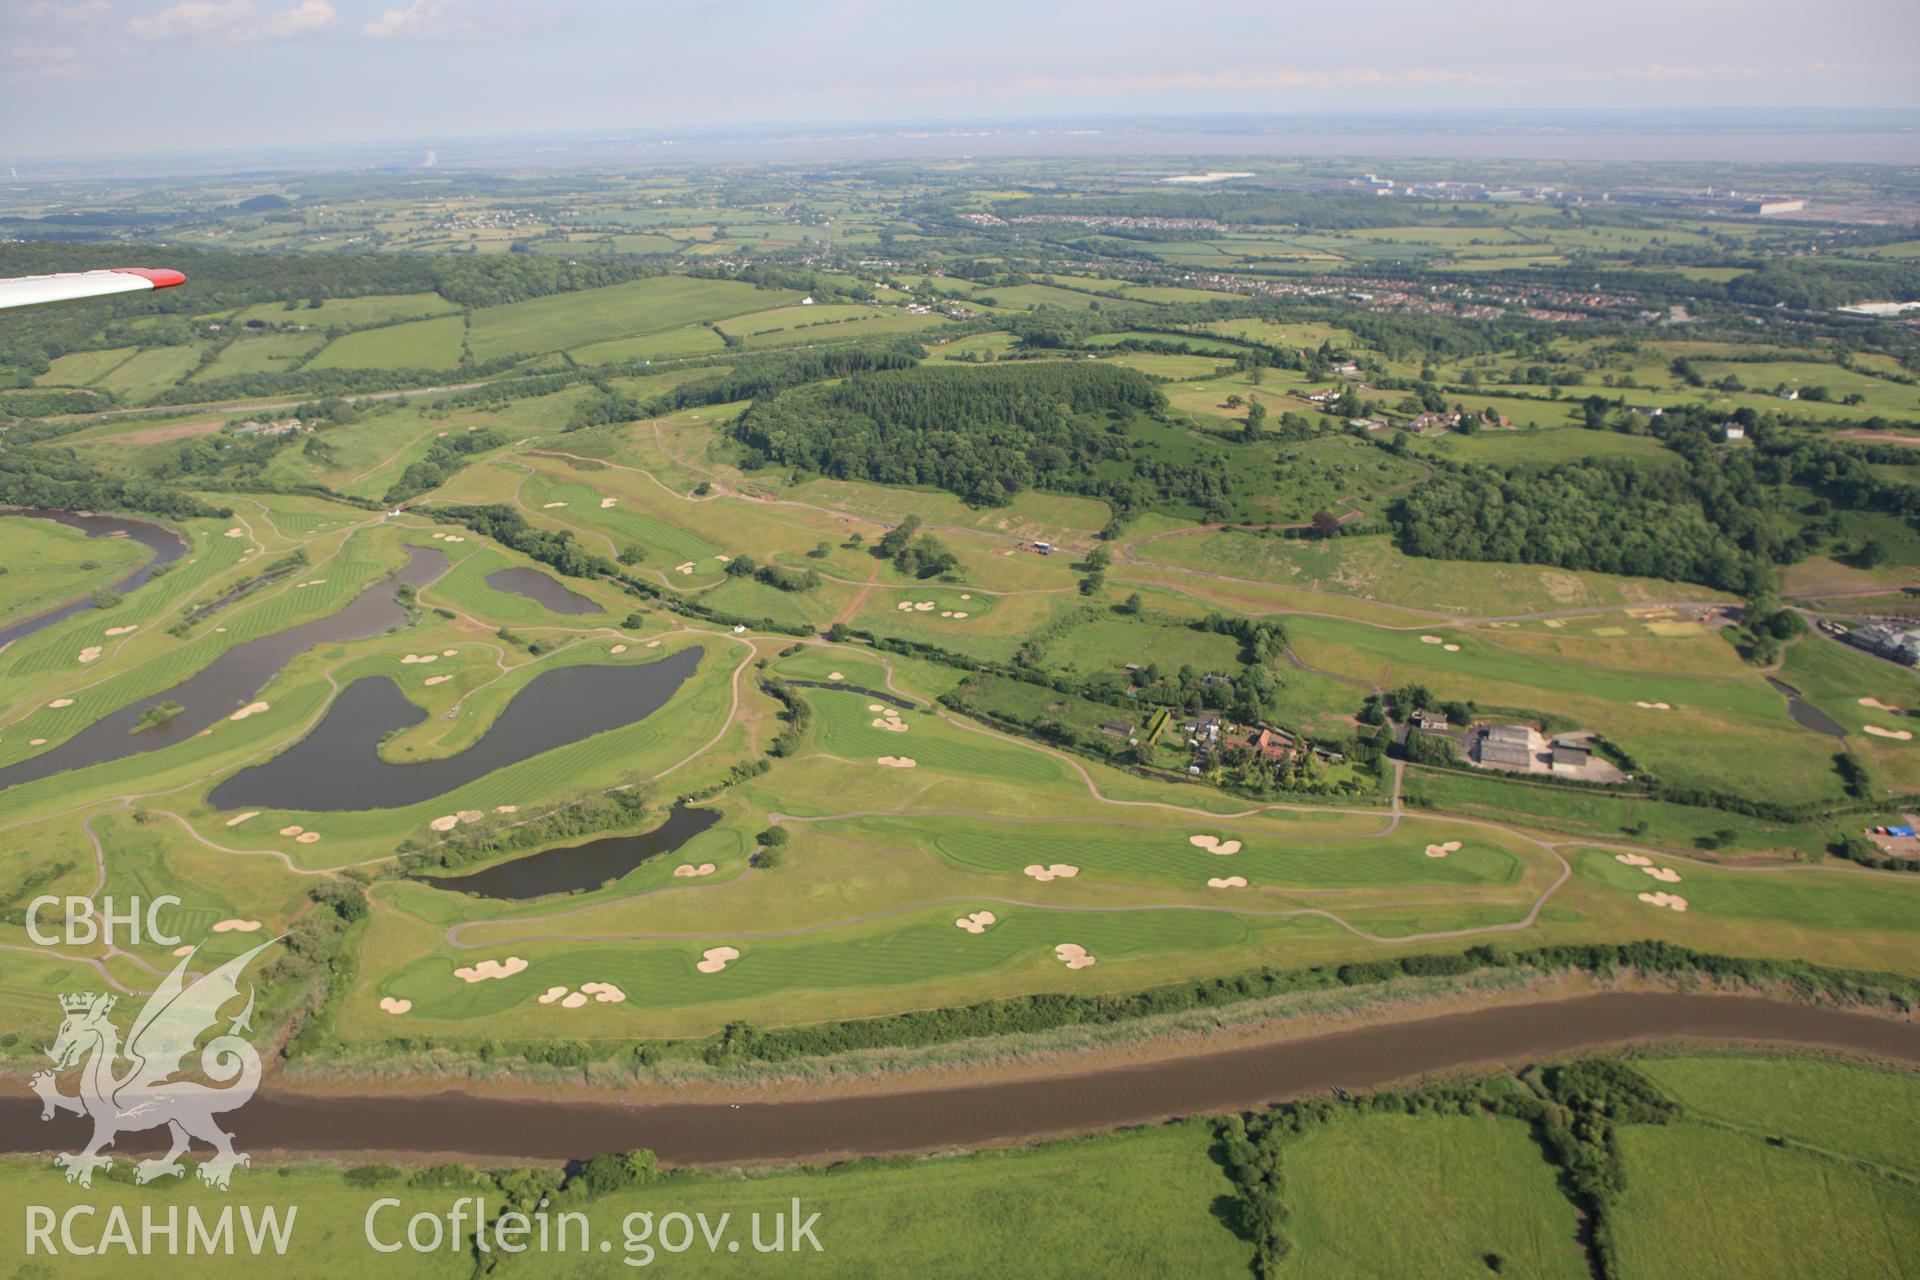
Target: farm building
{"points": [[1507, 745]]}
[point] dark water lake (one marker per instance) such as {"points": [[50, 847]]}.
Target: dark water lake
{"points": [[839, 1125], [166, 545], [538, 587], [1805, 714], [230, 681], [338, 765], [578, 868]]}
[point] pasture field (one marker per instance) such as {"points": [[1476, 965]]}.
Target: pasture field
{"points": [[563, 321], [1784, 1212], [421, 344], [1017, 1212], [149, 372], [1462, 1190]]}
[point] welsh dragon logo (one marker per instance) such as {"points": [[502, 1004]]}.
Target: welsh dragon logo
{"points": [[146, 1096]]}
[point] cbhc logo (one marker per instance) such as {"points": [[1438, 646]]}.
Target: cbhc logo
{"points": [[85, 923]]}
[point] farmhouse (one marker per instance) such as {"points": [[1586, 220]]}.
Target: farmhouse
{"points": [[1272, 743]]}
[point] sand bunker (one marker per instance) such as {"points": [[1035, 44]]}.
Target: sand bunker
{"points": [[57, 703], [653, 644], [251, 709], [1898, 735], [236, 926], [1073, 955], [1874, 703], [89, 653], [430, 681], [121, 631], [1665, 875], [574, 1001], [923, 606], [1052, 871], [470, 815], [689, 871], [618, 649], [489, 970], [36, 742], [891, 722], [239, 818], [551, 994], [1670, 900], [835, 675], [1633, 859], [412, 658], [1227, 882], [898, 762], [1433, 639], [506, 808], [548, 506], [445, 822], [186, 950], [715, 959], [607, 502], [603, 992], [236, 533], [1442, 850], [391, 1005], [454, 537], [975, 921], [724, 559], [307, 837], [448, 653], [1214, 844], [965, 596], [291, 831], [684, 568], [1451, 648], [905, 606], [1654, 706], [959, 613]]}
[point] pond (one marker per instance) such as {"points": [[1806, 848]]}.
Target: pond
{"points": [[541, 589], [578, 868], [338, 765]]}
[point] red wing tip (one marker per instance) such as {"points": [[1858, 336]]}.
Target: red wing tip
{"points": [[162, 277]]}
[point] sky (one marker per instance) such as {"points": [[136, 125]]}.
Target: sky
{"points": [[112, 76]]}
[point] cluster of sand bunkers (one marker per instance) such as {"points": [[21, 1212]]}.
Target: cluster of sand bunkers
{"points": [[928, 606], [600, 992], [1654, 706], [976, 921], [1665, 875], [491, 970], [897, 762], [89, 653], [688, 870], [448, 537], [1878, 731], [1051, 871], [301, 835], [1442, 850], [448, 821], [888, 719], [421, 659], [1442, 642], [1215, 845], [1227, 882]]}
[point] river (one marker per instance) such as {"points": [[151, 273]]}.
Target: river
{"points": [[842, 1125]]}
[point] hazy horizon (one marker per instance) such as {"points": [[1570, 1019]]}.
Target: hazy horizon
{"points": [[93, 77]]}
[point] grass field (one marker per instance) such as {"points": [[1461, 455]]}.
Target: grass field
{"points": [[1451, 1192], [421, 344], [48, 564]]}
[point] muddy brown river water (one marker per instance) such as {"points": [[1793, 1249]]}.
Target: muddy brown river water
{"points": [[838, 1125]]}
